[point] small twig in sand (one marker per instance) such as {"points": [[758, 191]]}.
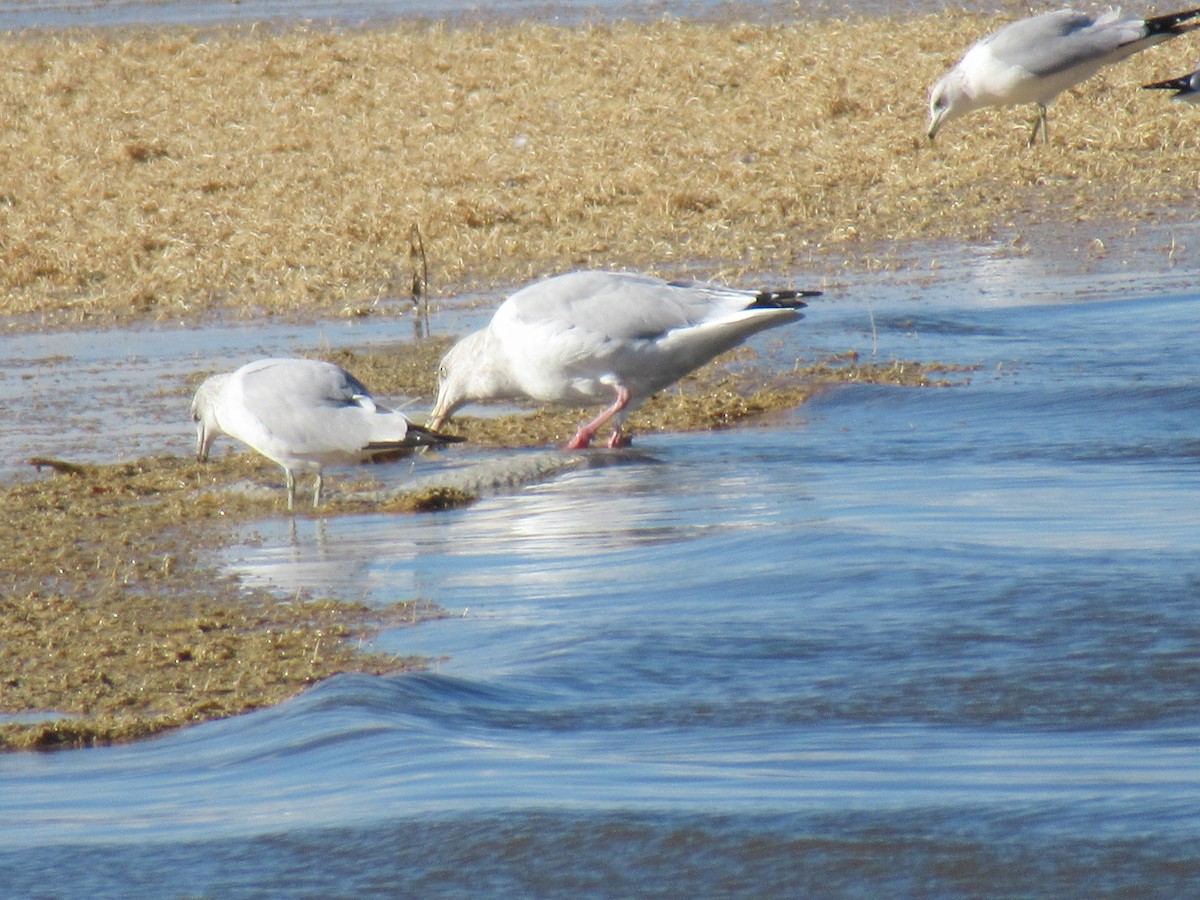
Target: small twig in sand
{"points": [[58, 465], [420, 282]]}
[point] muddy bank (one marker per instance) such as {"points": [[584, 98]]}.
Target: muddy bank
{"points": [[114, 630]]}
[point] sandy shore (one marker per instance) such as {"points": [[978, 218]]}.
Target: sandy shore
{"points": [[177, 174]]}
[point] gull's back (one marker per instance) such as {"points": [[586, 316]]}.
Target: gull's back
{"points": [[299, 412], [618, 306], [574, 335], [1034, 60]]}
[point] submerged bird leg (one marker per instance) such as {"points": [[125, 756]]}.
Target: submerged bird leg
{"points": [[619, 438], [1040, 122], [583, 437]]}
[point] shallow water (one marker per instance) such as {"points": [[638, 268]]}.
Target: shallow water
{"points": [[902, 642], [123, 393]]}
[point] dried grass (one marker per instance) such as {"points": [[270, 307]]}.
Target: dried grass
{"points": [[172, 174]]}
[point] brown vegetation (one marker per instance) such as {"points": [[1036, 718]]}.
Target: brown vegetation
{"points": [[173, 174], [731, 391], [110, 619]]}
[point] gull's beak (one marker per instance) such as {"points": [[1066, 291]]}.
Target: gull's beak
{"points": [[441, 412], [203, 442], [935, 122], [434, 424]]}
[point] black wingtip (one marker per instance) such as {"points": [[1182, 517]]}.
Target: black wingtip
{"points": [[787, 299], [1183, 85], [417, 436], [1169, 24], [428, 437]]}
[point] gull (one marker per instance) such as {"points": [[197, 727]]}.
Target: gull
{"points": [[1033, 60], [1186, 87], [584, 336], [302, 414]]}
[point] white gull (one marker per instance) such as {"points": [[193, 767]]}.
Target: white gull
{"points": [[302, 414], [587, 336], [1033, 60]]}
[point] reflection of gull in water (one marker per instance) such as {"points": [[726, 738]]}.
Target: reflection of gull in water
{"points": [[352, 557], [588, 335], [1186, 87], [302, 414], [1033, 60]]}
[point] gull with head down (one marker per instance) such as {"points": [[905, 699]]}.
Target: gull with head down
{"points": [[586, 336], [1033, 60], [304, 415]]}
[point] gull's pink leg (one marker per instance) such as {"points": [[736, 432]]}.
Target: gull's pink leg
{"points": [[619, 438], [583, 437]]}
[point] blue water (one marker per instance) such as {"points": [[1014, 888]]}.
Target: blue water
{"points": [[903, 642]]}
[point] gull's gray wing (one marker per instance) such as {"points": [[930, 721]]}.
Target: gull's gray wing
{"points": [[572, 335], [1058, 41], [618, 306], [314, 408]]}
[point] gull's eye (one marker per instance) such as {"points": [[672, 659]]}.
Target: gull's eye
{"points": [[441, 373]]}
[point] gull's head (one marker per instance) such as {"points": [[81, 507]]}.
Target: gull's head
{"points": [[204, 414], [463, 376], [947, 100]]}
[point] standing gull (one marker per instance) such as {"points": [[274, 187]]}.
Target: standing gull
{"points": [[586, 336], [1033, 60], [1187, 87], [302, 414]]}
